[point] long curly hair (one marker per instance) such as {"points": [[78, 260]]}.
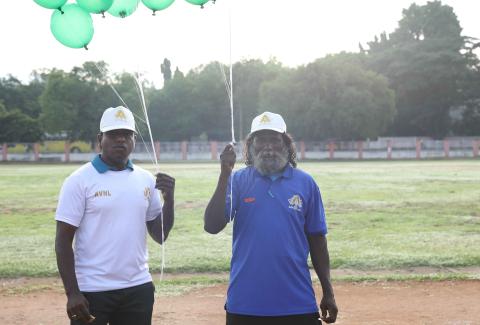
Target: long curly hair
{"points": [[287, 139]]}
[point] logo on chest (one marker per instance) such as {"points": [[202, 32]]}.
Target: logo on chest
{"points": [[295, 203], [102, 193], [147, 193]]}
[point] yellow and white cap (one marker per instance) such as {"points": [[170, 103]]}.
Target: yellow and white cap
{"points": [[115, 118], [269, 121]]}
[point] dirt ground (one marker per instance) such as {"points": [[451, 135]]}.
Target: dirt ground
{"points": [[411, 302]]}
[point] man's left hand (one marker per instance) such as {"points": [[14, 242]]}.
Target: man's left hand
{"points": [[329, 309], [166, 184]]}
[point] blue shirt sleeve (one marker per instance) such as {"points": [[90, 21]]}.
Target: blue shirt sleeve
{"points": [[315, 222]]}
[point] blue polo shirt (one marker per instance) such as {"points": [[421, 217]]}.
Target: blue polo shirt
{"points": [[269, 274]]}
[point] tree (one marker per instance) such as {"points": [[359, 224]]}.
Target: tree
{"points": [[10, 92], [467, 114], [334, 97], [469, 124], [171, 110], [3, 109], [129, 95], [248, 78], [178, 73], [31, 92], [16, 95], [424, 63], [18, 127], [192, 105], [73, 102], [166, 70], [94, 72]]}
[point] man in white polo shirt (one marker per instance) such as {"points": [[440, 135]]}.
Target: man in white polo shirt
{"points": [[107, 206]]}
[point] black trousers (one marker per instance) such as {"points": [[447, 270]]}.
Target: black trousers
{"points": [[129, 306], [304, 319]]}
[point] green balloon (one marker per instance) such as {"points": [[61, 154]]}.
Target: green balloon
{"points": [[95, 6], [157, 5], [73, 28], [123, 8], [51, 4], [197, 2]]}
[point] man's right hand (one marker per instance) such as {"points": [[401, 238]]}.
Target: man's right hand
{"points": [[77, 308], [227, 159], [214, 218]]}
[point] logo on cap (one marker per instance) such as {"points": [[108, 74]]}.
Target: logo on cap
{"points": [[268, 121], [265, 119], [120, 115]]}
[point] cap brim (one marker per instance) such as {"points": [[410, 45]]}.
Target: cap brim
{"points": [[268, 128], [116, 127]]}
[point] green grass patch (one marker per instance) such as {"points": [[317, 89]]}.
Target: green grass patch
{"points": [[381, 215]]}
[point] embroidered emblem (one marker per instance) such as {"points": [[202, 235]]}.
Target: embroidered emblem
{"points": [[120, 115], [102, 193], [249, 199], [264, 119], [147, 193], [295, 203]]}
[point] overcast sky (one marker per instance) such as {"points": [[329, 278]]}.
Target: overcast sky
{"points": [[295, 32]]}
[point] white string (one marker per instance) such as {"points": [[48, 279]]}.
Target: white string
{"points": [[142, 100], [110, 83], [229, 93], [229, 82], [231, 69], [147, 122], [229, 89], [225, 81], [137, 126], [137, 117], [231, 99]]}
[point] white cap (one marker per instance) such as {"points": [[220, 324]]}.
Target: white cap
{"points": [[269, 121], [115, 118]]}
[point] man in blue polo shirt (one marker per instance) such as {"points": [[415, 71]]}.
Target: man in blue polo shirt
{"points": [[105, 208], [278, 220]]}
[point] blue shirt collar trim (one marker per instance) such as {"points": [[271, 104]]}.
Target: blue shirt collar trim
{"points": [[287, 172], [102, 167]]}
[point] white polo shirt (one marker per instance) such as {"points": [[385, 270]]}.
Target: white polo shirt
{"points": [[110, 210]]}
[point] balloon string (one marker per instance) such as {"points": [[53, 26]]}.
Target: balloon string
{"points": [[231, 98], [231, 69], [145, 112], [229, 89], [225, 81], [109, 82], [147, 122]]}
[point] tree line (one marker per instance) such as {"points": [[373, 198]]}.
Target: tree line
{"points": [[423, 79]]}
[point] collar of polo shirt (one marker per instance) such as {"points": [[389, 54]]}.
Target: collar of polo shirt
{"points": [[102, 167]]}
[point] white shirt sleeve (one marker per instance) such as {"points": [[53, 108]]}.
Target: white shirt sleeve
{"points": [[155, 206], [71, 203]]}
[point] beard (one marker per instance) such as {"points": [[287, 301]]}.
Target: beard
{"points": [[272, 164]]}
